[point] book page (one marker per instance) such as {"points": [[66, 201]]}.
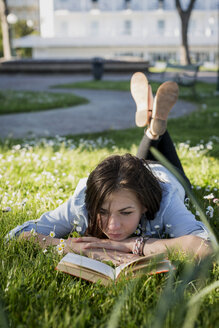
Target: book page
{"points": [[144, 260], [86, 262]]}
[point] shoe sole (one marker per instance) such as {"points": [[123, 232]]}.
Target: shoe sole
{"points": [[139, 92], [166, 97]]}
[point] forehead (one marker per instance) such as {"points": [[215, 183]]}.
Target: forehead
{"points": [[121, 198]]}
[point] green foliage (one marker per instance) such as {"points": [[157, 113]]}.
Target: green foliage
{"points": [[31, 101], [40, 174], [21, 29]]}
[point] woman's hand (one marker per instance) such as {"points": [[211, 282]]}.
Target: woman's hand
{"points": [[117, 252], [89, 243]]}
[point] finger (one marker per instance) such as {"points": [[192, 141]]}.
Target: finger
{"points": [[105, 245]]}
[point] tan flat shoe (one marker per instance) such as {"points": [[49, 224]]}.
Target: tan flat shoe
{"points": [[166, 97], [142, 95]]}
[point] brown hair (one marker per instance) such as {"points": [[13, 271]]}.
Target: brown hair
{"points": [[120, 172]]}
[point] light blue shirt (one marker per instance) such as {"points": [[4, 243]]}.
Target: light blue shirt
{"points": [[173, 218]]}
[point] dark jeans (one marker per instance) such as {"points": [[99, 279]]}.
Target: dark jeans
{"points": [[166, 147]]}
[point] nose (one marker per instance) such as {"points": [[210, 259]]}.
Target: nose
{"points": [[113, 223]]}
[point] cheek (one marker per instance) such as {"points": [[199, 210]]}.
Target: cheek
{"points": [[133, 222], [102, 221]]}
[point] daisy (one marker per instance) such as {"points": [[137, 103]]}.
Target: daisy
{"points": [[210, 211], [210, 196], [59, 249], [78, 229], [52, 234], [137, 232]]}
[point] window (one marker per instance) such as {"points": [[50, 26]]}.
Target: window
{"points": [[127, 27], [94, 4], [64, 29], [160, 4], [94, 28], [161, 26], [127, 4]]}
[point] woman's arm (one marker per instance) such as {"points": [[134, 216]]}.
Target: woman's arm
{"points": [[188, 244], [117, 257]]}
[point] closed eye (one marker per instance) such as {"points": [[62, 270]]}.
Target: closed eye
{"points": [[126, 213], [103, 212]]}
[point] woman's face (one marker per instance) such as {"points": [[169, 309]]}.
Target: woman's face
{"points": [[120, 214]]}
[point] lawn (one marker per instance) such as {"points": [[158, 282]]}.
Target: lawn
{"points": [[204, 90], [40, 174], [32, 101]]}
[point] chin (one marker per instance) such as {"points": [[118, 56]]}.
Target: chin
{"points": [[116, 237]]}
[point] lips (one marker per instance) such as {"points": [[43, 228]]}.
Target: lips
{"points": [[114, 235]]}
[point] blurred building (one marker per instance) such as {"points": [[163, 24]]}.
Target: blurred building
{"points": [[144, 29]]}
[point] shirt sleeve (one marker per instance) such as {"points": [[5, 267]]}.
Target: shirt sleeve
{"points": [[69, 216], [179, 221]]}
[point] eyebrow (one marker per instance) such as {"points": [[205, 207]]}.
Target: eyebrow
{"points": [[121, 209]]}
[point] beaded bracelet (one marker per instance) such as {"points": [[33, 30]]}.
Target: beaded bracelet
{"points": [[139, 245]]}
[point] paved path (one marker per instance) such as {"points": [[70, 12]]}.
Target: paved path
{"points": [[106, 110]]}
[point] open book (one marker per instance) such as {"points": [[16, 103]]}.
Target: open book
{"points": [[92, 270]]}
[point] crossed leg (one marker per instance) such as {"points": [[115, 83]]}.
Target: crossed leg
{"points": [[154, 114]]}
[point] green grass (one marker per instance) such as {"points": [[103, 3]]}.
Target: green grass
{"points": [[96, 85], [37, 175], [203, 89], [31, 101]]}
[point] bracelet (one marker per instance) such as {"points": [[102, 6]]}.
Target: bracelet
{"points": [[138, 247]]}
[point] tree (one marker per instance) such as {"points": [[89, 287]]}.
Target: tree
{"points": [[184, 16], [5, 29]]}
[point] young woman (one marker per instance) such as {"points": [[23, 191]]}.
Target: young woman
{"points": [[129, 205]]}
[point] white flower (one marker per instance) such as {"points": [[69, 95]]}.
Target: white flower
{"points": [[62, 241], [209, 145], [52, 234], [78, 229], [76, 222], [198, 187], [210, 196], [63, 245], [59, 249], [45, 251], [172, 235], [168, 226], [33, 232], [157, 227], [197, 213], [210, 211], [137, 231], [44, 239]]}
